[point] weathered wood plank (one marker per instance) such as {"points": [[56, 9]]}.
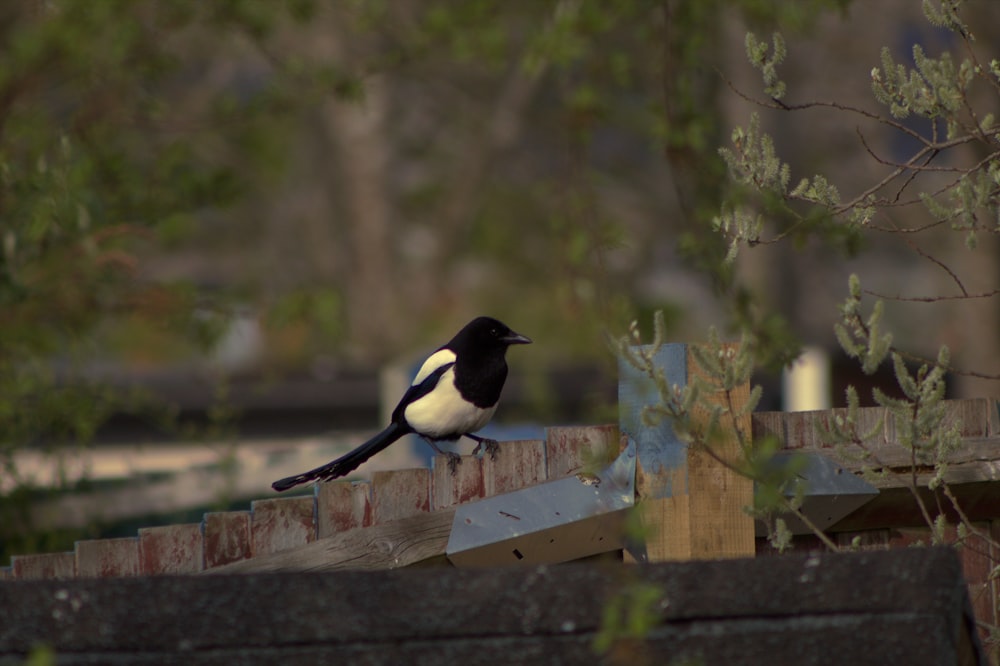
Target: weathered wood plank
{"points": [[387, 545], [227, 537], [400, 493], [451, 488], [768, 424], [518, 464], [976, 459], [796, 430], [342, 505], [574, 449], [43, 566], [281, 523], [107, 557], [691, 499], [171, 549], [976, 416], [719, 495]]}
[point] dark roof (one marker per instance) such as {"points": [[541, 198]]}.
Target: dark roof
{"points": [[900, 607]]}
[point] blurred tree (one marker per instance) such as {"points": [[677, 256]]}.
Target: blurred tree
{"points": [[922, 179], [496, 156], [122, 123], [359, 175]]}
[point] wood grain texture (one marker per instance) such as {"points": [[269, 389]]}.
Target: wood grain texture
{"points": [[692, 499], [387, 545], [102, 558], [720, 526], [574, 449], [42, 566], [518, 464], [768, 424], [171, 549], [227, 537], [400, 494], [342, 505], [463, 485], [281, 523]]}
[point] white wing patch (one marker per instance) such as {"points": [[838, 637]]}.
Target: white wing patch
{"points": [[443, 412], [433, 362]]}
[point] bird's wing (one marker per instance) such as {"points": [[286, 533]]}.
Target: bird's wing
{"points": [[426, 380], [441, 357]]}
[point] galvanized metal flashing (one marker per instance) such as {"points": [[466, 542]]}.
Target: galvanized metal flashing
{"points": [[552, 522]]}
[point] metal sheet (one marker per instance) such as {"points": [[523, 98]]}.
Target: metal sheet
{"points": [[831, 493], [552, 522], [583, 515]]}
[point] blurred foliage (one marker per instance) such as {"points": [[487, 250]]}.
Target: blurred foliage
{"points": [[165, 164], [107, 152]]}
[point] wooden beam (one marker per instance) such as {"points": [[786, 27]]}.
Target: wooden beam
{"points": [[692, 500], [389, 545], [719, 494]]}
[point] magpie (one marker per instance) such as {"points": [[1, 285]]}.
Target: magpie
{"points": [[454, 393]]}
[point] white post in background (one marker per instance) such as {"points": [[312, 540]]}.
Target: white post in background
{"points": [[805, 386]]}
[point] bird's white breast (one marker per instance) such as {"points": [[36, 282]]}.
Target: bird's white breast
{"points": [[443, 412]]}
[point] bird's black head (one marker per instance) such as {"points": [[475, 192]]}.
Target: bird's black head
{"points": [[487, 333]]}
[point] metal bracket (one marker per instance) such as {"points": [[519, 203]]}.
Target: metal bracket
{"points": [[552, 522], [831, 493]]}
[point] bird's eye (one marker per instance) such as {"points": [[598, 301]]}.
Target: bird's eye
{"points": [[495, 332]]}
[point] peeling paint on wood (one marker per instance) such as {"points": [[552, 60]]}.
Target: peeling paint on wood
{"points": [[102, 558], [281, 523], [518, 464], [43, 565], [466, 484], [575, 449], [171, 549], [227, 537], [400, 494], [342, 505]]}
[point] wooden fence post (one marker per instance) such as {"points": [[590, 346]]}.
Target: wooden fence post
{"points": [[692, 503]]}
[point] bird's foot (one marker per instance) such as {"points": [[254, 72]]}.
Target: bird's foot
{"points": [[454, 460], [490, 446]]}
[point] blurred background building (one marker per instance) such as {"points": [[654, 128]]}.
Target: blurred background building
{"points": [[392, 171]]}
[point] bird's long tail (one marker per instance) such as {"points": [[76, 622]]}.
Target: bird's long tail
{"points": [[347, 463]]}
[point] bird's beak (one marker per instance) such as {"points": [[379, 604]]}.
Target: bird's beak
{"points": [[516, 339]]}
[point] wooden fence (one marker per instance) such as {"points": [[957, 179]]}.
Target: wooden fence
{"points": [[694, 504], [281, 523]]}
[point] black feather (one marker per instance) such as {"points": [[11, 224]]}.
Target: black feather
{"points": [[347, 463]]}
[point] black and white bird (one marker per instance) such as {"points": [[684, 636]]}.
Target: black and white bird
{"points": [[455, 393]]}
